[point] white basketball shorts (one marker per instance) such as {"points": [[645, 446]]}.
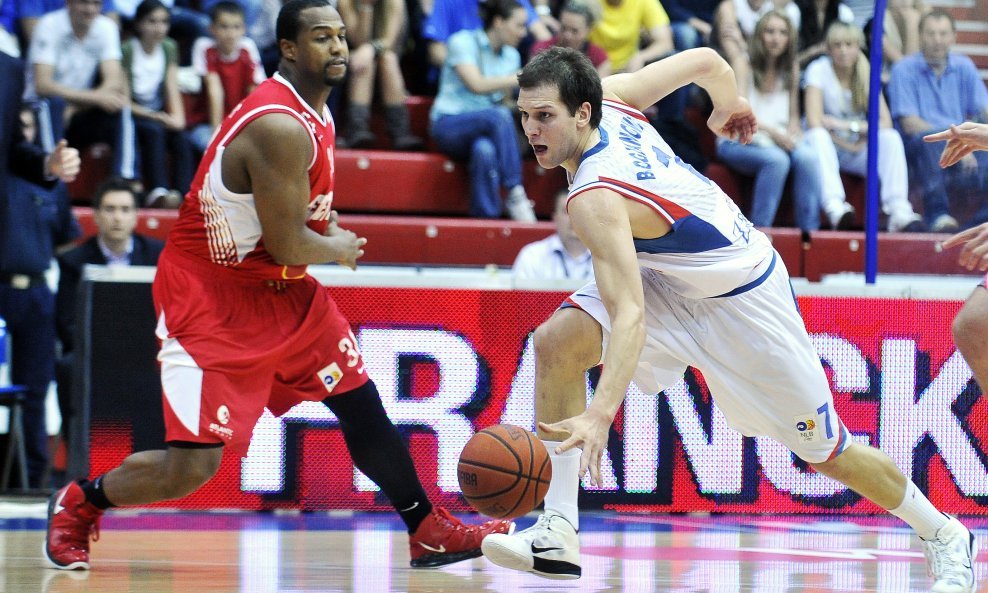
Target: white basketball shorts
{"points": [[753, 351]]}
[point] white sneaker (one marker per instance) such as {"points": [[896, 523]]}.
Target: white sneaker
{"points": [[906, 221], [945, 223], [550, 548], [520, 207], [841, 215], [949, 558]]}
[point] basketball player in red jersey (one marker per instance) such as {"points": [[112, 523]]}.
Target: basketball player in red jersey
{"points": [[970, 327], [243, 327]]}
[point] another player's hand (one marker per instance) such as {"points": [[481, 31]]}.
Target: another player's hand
{"points": [[961, 140], [63, 162], [589, 431], [974, 255], [734, 121], [349, 245]]}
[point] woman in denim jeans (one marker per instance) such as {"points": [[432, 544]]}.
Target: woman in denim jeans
{"points": [[470, 120], [779, 144]]}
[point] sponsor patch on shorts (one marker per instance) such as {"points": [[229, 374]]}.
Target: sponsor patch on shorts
{"points": [[330, 376], [810, 431]]}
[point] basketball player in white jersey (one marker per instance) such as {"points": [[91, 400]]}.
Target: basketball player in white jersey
{"points": [[682, 279]]}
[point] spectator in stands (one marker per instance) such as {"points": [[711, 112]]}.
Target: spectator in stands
{"points": [[470, 116], [375, 33], [451, 16], [560, 256], [900, 32], [150, 61], [187, 23], [230, 66], [815, 17], [115, 244], [633, 33], [576, 20], [734, 24], [836, 95], [23, 15], [75, 67], [32, 224], [779, 145], [692, 22], [928, 91]]}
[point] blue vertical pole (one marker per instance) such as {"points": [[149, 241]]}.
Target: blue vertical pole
{"points": [[874, 117]]}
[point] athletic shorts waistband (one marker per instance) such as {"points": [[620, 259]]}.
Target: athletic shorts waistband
{"points": [[227, 273], [754, 283]]}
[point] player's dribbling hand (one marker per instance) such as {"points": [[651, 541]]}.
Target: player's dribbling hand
{"points": [[974, 255], [589, 431], [734, 121], [349, 245]]}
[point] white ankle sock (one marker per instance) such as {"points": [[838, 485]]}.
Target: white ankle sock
{"points": [[918, 512], [565, 486]]}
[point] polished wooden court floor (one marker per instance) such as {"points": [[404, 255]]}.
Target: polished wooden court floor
{"points": [[368, 553]]}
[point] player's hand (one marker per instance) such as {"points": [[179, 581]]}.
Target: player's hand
{"points": [[588, 431], [349, 245], [734, 121], [961, 141], [63, 162], [974, 255]]}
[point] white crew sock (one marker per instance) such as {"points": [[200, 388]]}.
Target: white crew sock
{"points": [[917, 511], [564, 488]]}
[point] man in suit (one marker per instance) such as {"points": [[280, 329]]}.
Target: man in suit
{"points": [[32, 225], [115, 244]]}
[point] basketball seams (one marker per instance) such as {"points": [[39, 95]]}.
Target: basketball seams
{"points": [[498, 459]]}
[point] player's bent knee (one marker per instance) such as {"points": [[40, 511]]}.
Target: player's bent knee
{"points": [[569, 335]]}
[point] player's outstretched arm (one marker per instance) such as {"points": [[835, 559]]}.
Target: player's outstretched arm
{"points": [[732, 116], [961, 140], [601, 220], [273, 154]]}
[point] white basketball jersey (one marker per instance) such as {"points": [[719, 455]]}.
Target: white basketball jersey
{"points": [[712, 249]]}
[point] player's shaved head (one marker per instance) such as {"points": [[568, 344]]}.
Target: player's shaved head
{"points": [[290, 17]]}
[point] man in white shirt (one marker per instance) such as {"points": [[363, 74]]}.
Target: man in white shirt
{"points": [[74, 66], [559, 256]]}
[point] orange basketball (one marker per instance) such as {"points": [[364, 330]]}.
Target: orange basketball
{"points": [[504, 471]]}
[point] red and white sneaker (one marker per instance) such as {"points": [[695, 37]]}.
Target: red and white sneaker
{"points": [[72, 521], [442, 539]]}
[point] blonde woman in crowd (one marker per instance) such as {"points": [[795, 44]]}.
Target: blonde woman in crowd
{"points": [[836, 98]]}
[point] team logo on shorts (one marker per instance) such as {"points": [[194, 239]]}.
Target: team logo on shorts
{"points": [[806, 426], [330, 377], [223, 415]]}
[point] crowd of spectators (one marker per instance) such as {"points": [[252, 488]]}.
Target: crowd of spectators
{"points": [[153, 79]]}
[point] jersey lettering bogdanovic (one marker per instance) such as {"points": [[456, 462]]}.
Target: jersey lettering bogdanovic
{"points": [[221, 226], [712, 249]]}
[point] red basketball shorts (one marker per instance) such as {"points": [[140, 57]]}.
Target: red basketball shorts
{"points": [[233, 345]]}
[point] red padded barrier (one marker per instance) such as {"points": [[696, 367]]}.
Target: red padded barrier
{"points": [[399, 182], [466, 241], [832, 252]]}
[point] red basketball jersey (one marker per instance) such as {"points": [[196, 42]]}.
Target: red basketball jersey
{"points": [[221, 226]]}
